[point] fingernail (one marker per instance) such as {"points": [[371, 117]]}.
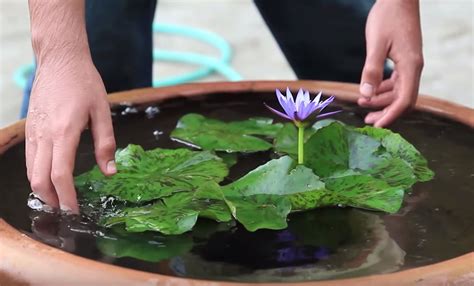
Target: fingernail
{"points": [[65, 208], [111, 168], [367, 90]]}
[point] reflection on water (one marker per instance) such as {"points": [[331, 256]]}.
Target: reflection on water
{"points": [[320, 244]]}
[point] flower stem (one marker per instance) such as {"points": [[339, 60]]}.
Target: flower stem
{"points": [[300, 144]]}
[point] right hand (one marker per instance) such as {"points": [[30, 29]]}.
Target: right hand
{"points": [[65, 98]]}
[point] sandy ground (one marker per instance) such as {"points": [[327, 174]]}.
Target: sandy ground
{"points": [[447, 29]]}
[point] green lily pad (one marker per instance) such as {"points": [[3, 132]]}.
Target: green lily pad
{"points": [[281, 177], [175, 214], [277, 177], [393, 171], [260, 211], [398, 147], [238, 136], [263, 197], [148, 175], [364, 191], [168, 190], [281, 182], [327, 151], [286, 139], [334, 148], [230, 159]]}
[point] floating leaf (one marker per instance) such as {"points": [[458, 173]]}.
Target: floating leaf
{"points": [[286, 139], [393, 171], [281, 177], [167, 190], [364, 191], [362, 151], [147, 175], [175, 214], [276, 177], [398, 147], [304, 191], [334, 148], [230, 159], [263, 197], [327, 151], [238, 136], [260, 211]]}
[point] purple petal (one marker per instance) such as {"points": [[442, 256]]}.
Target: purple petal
{"points": [[306, 97], [299, 99], [317, 98], [281, 114], [328, 113], [325, 103], [283, 102], [290, 103], [301, 110], [289, 96], [310, 108]]}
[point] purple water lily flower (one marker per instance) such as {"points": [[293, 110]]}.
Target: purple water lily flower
{"points": [[302, 107]]}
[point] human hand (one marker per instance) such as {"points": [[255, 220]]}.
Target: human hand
{"points": [[65, 98], [392, 31]]}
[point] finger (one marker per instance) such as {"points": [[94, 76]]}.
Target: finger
{"points": [[388, 84], [41, 175], [372, 73], [30, 148], [406, 93], [372, 117], [104, 140], [30, 153], [378, 101], [64, 156]]}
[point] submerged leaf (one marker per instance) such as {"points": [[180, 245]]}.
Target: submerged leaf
{"points": [[147, 175], [238, 136], [149, 247]]}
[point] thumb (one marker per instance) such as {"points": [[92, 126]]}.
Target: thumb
{"points": [[372, 74], [104, 140]]}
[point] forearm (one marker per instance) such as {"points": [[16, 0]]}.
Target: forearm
{"points": [[58, 31]]}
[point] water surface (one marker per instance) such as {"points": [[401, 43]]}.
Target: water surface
{"points": [[435, 223]]}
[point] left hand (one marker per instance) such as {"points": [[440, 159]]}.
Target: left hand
{"points": [[392, 31]]}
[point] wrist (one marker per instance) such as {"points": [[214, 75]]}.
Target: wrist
{"points": [[58, 30], [48, 50]]}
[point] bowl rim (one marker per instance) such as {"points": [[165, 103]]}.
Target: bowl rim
{"points": [[24, 260]]}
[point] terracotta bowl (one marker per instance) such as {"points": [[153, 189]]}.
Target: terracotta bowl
{"points": [[24, 261]]}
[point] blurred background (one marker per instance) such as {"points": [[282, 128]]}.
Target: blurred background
{"points": [[447, 30]]}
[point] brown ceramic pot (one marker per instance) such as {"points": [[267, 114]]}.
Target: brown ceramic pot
{"points": [[24, 261]]}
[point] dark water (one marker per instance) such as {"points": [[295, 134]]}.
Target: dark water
{"points": [[435, 223]]}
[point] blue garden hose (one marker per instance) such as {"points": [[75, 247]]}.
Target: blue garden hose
{"points": [[207, 65]]}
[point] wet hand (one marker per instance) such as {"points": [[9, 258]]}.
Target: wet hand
{"points": [[392, 31], [66, 97]]}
